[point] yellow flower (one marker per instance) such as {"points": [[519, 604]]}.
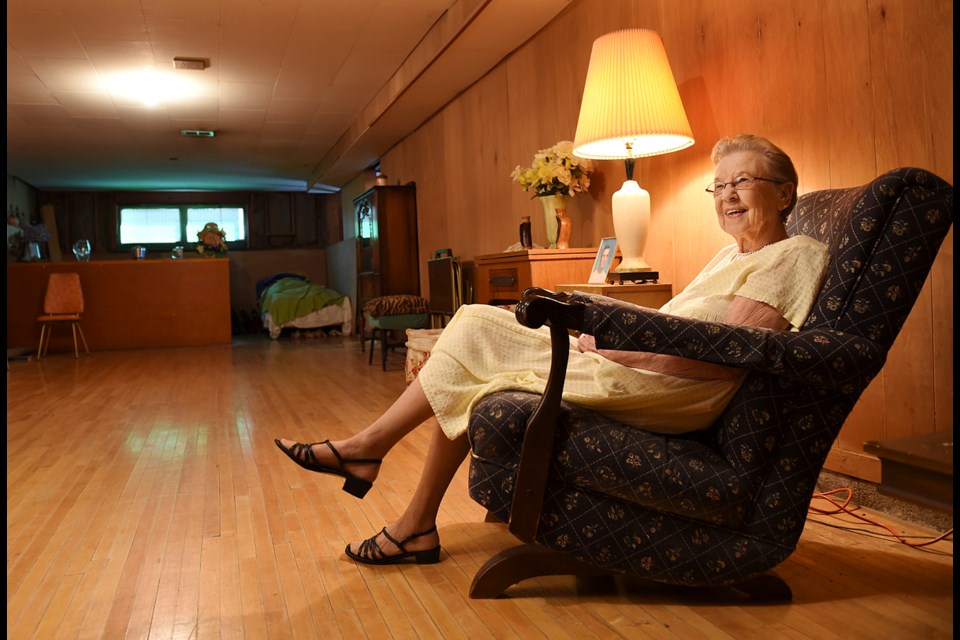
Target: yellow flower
{"points": [[555, 170]]}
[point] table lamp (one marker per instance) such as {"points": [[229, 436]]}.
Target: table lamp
{"points": [[631, 109]]}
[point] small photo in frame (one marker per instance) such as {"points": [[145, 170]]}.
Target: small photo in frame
{"points": [[601, 266]]}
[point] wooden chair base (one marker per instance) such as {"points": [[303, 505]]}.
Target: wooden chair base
{"points": [[47, 329], [519, 563], [387, 343], [516, 564], [767, 587]]}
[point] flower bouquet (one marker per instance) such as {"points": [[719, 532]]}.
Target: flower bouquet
{"points": [[555, 175], [36, 233], [31, 235], [213, 241], [555, 171]]}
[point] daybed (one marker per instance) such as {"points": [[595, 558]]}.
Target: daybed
{"points": [[292, 301]]}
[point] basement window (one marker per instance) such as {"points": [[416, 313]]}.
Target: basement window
{"points": [[164, 226]]}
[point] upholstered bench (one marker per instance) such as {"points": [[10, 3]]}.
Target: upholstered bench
{"points": [[387, 316]]}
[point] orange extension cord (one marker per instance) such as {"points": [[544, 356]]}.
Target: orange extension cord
{"points": [[842, 507]]}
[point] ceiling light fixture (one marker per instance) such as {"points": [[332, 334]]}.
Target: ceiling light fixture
{"points": [[192, 64], [151, 87], [196, 133]]}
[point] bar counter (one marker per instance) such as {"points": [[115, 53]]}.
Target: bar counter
{"points": [[129, 304]]}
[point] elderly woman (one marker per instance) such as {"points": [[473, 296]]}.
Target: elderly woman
{"points": [[764, 279]]}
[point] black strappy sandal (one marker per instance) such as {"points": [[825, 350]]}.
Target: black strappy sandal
{"points": [[371, 553], [351, 484]]}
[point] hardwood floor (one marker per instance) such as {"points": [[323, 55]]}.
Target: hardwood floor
{"points": [[146, 499]]}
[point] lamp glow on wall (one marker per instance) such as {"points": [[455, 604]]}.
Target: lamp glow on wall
{"points": [[631, 109]]}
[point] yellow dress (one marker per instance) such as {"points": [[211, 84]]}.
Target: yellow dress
{"points": [[484, 349]]}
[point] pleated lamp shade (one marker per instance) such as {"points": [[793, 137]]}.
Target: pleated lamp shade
{"points": [[630, 97]]}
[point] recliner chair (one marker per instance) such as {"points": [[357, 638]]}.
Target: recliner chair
{"points": [[724, 506]]}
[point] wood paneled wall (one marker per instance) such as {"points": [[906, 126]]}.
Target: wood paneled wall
{"points": [[849, 88]]}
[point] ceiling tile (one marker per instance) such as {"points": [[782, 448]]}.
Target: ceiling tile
{"points": [[27, 90], [47, 34], [288, 131], [233, 120], [87, 104], [71, 74], [118, 55], [245, 95], [142, 118]]}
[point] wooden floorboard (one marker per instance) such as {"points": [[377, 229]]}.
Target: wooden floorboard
{"points": [[146, 499]]}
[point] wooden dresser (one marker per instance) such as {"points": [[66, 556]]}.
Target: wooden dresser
{"points": [[503, 276]]}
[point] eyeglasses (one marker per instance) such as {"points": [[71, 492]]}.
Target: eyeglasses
{"points": [[739, 184]]}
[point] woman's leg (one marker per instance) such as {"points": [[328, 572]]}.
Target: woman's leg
{"points": [[405, 414], [443, 460]]}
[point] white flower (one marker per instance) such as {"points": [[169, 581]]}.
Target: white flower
{"points": [[555, 170]]}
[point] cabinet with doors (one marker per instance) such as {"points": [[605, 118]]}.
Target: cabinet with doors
{"points": [[387, 254]]}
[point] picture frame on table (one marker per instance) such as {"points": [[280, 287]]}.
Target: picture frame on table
{"points": [[603, 261]]}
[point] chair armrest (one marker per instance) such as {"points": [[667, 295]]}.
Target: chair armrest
{"points": [[534, 310], [822, 358]]}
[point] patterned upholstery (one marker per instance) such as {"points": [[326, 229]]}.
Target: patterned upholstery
{"points": [[396, 305], [388, 315], [722, 506]]}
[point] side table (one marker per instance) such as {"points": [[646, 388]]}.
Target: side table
{"points": [[503, 277]]}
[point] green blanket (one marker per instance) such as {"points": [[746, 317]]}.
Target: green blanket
{"points": [[292, 298]]}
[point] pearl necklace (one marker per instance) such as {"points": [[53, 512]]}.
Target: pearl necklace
{"points": [[744, 254]]}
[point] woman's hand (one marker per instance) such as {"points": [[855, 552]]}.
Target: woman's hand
{"points": [[661, 363], [586, 343], [633, 359]]}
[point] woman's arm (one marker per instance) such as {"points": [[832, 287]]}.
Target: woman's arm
{"points": [[742, 311]]}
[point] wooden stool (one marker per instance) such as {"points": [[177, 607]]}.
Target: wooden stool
{"points": [[386, 326]]}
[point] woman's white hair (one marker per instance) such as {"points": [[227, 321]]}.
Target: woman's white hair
{"points": [[778, 162]]}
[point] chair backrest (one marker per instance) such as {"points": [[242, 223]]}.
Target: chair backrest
{"points": [[883, 238], [64, 294]]}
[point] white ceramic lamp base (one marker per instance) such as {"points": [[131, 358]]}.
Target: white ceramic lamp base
{"points": [[631, 221]]}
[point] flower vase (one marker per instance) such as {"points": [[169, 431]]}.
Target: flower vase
{"points": [[555, 219], [31, 252]]}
